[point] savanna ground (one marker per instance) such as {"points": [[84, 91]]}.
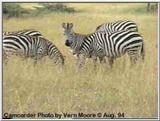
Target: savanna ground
{"points": [[46, 88]]}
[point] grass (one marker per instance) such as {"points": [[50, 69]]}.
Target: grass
{"points": [[47, 88]]}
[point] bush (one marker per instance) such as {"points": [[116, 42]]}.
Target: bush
{"points": [[13, 10], [58, 7]]}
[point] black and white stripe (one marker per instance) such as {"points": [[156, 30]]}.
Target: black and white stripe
{"points": [[112, 27], [54, 53], [30, 32], [114, 45], [31, 46], [75, 40], [100, 44]]}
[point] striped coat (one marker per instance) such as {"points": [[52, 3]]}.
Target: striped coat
{"points": [[112, 27], [35, 47], [113, 46]]}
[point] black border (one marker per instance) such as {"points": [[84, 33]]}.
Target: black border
{"points": [[158, 79]]}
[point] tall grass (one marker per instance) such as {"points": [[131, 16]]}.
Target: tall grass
{"points": [[47, 88]]}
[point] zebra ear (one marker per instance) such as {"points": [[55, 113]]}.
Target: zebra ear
{"points": [[70, 25], [63, 25]]}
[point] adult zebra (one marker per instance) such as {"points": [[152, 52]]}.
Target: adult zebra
{"points": [[120, 25], [107, 28], [112, 27], [30, 32], [100, 44], [75, 46], [35, 47]]}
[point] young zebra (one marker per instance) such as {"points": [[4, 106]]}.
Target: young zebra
{"points": [[112, 27], [30, 32], [31, 46], [77, 40], [115, 45]]}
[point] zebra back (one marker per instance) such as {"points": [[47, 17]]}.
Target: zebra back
{"points": [[29, 46], [35, 47], [113, 45], [30, 32], [117, 26]]}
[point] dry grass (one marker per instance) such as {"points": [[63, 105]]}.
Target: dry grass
{"points": [[46, 88]]}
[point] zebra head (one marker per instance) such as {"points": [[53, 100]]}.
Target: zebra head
{"points": [[74, 40], [69, 33]]}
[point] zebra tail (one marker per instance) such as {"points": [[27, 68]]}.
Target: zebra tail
{"points": [[143, 52]]}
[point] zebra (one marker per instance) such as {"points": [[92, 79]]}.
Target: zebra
{"points": [[34, 47], [75, 46], [30, 32], [117, 26], [100, 44], [107, 28], [112, 27]]}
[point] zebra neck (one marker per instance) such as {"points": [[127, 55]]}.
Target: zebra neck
{"points": [[79, 38], [54, 53]]}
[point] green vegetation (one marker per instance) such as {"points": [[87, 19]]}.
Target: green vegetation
{"points": [[39, 9], [13, 10], [56, 7], [17, 10], [142, 9]]}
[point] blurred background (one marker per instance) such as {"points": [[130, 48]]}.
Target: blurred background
{"points": [[37, 9]]}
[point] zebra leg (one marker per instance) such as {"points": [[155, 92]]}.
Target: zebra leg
{"points": [[102, 59], [94, 61], [36, 58], [143, 52], [35, 61], [39, 55], [5, 58], [111, 61], [81, 61], [133, 59], [77, 59]]}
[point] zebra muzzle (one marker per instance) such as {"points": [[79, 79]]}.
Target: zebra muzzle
{"points": [[67, 43]]}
